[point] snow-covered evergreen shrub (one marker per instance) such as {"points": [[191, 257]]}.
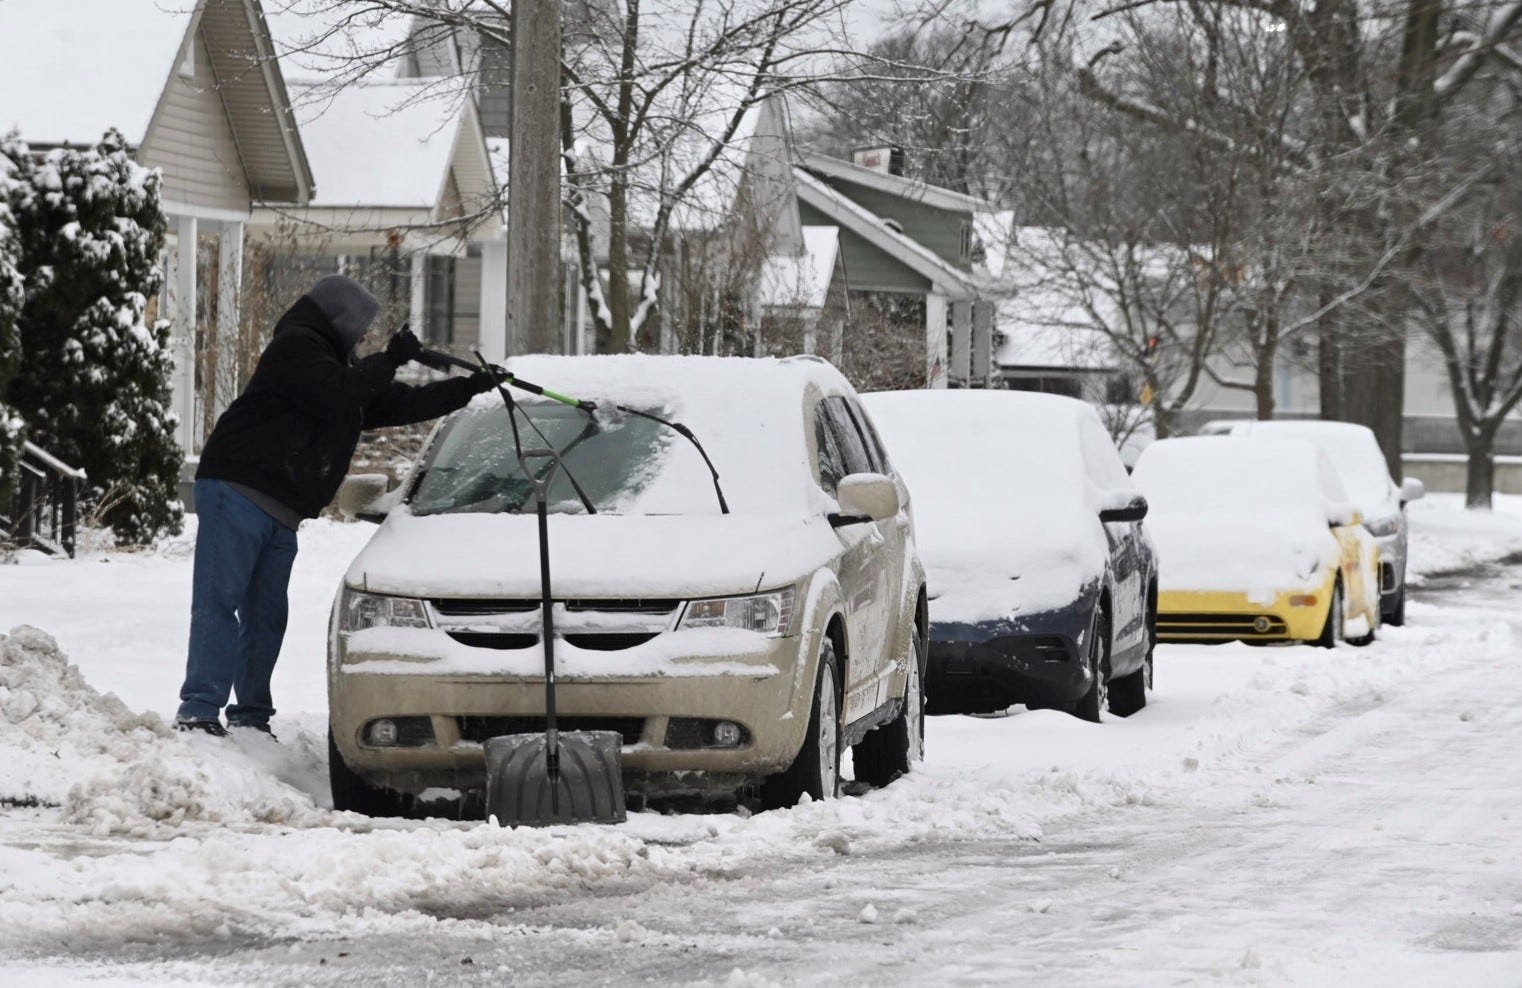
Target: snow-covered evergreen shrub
{"points": [[95, 386], [10, 342]]}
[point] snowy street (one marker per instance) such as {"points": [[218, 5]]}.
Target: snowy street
{"points": [[1275, 815]]}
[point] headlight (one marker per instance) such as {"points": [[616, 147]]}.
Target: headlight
{"points": [[368, 610], [1380, 527], [766, 613]]}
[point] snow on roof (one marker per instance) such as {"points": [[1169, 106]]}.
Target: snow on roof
{"points": [[320, 42], [995, 232], [908, 188], [1028, 342], [379, 144], [1005, 519], [875, 229], [1354, 451], [747, 412], [71, 71], [802, 281]]}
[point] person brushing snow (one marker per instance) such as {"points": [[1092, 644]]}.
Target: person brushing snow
{"points": [[277, 456]]}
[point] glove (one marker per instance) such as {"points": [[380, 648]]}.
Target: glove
{"points": [[403, 347], [483, 381]]}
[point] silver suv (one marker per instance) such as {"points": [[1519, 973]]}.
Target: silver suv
{"points": [[736, 631]]}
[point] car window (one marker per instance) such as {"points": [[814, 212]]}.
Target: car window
{"points": [[1101, 457], [853, 448], [832, 465], [876, 454]]}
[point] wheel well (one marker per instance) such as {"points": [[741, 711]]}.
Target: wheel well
{"points": [[835, 631]]}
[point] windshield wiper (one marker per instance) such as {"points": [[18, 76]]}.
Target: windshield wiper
{"points": [[441, 361]]}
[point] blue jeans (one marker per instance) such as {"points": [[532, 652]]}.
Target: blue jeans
{"points": [[237, 607]]}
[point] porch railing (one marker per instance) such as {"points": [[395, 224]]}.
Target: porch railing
{"points": [[44, 513]]}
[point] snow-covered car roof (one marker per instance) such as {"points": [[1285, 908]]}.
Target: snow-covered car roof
{"points": [[1353, 449], [1237, 513], [748, 413], [1006, 519]]}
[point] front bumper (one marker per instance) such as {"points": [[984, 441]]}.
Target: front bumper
{"points": [[1038, 660], [661, 716], [1206, 616]]}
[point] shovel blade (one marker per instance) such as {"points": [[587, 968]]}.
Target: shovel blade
{"points": [[590, 790]]}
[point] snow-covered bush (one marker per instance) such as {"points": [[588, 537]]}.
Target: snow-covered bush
{"points": [[94, 388], [10, 344]]}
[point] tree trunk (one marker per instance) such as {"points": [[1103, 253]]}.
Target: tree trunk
{"points": [[1329, 361], [1263, 374], [1480, 480], [618, 270]]}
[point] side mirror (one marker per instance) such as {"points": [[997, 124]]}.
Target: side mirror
{"points": [[865, 497], [362, 496], [1122, 505], [1412, 489]]}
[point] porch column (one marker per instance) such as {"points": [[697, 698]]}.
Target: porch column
{"points": [[935, 341], [182, 335], [982, 344], [494, 301], [961, 344], [224, 386], [417, 301]]}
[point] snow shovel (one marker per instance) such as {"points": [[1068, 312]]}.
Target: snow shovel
{"points": [[536, 780]]}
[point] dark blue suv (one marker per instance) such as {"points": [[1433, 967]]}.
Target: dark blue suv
{"points": [[1041, 576]]}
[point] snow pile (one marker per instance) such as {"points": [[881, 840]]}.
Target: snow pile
{"points": [[115, 771], [982, 467], [1445, 536]]}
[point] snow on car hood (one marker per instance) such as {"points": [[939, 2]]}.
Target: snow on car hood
{"points": [[622, 556], [1006, 574], [1259, 557], [1241, 515]]}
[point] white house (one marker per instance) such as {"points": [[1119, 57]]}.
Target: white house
{"points": [[194, 89]]}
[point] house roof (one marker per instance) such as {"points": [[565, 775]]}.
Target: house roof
{"points": [[318, 42], [385, 145], [803, 280], [907, 188], [945, 278], [69, 72]]}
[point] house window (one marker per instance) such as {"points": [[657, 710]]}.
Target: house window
{"points": [[439, 293], [966, 241]]}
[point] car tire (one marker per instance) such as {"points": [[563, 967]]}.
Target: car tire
{"points": [[352, 793], [1397, 615], [1091, 705], [1331, 632], [816, 768], [892, 750], [1128, 694]]}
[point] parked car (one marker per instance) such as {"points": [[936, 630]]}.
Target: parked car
{"points": [[1366, 475], [1259, 541], [1043, 581], [730, 648]]}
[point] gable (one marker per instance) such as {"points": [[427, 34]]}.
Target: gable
{"points": [[191, 140]]}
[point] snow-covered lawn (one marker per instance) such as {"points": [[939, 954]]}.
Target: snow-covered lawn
{"points": [[169, 846]]}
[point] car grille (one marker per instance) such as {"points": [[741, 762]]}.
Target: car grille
{"points": [[476, 606], [592, 641], [480, 729], [1195, 626], [611, 641], [494, 639]]}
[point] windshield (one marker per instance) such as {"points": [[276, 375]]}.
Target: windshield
{"points": [[473, 466]]}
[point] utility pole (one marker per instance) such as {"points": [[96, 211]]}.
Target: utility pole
{"points": [[533, 180]]}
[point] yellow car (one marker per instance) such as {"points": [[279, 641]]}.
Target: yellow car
{"points": [[1257, 541]]}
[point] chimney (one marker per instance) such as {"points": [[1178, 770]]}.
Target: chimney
{"points": [[885, 158]]}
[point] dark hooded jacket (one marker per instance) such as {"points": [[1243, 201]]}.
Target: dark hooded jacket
{"points": [[291, 433]]}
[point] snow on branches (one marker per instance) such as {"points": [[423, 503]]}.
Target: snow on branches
{"points": [[94, 387]]}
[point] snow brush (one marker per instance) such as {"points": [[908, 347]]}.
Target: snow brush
{"points": [[443, 361]]}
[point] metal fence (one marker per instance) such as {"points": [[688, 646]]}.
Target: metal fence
{"points": [[44, 514]]}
